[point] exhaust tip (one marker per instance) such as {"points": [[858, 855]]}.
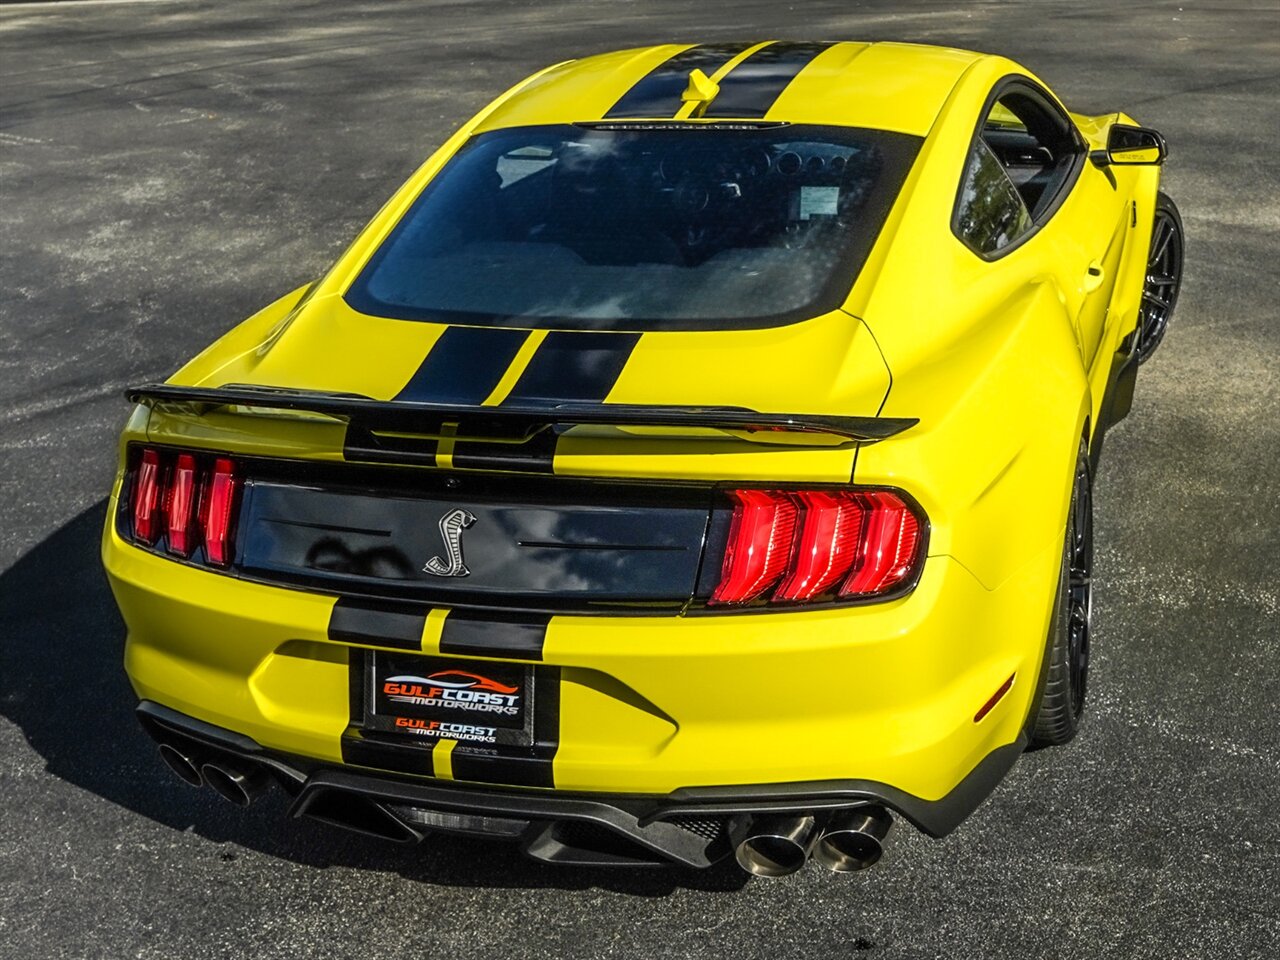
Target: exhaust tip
{"points": [[854, 840], [775, 846], [236, 784], [183, 766]]}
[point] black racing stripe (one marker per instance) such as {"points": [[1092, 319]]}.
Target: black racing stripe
{"points": [[377, 623], [412, 757], [464, 365], [535, 455], [751, 88], [658, 93], [494, 634], [574, 366], [531, 767]]}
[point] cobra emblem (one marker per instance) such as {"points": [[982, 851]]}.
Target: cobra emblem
{"points": [[451, 526]]}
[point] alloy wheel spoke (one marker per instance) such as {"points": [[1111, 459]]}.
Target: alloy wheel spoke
{"points": [[1163, 238]]}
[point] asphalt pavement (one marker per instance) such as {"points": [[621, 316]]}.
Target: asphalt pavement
{"points": [[168, 167]]}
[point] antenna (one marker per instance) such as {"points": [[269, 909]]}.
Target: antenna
{"points": [[700, 92]]}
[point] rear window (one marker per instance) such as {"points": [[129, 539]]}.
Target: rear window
{"points": [[648, 228]]}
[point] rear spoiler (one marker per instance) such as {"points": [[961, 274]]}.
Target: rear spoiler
{"points": [[514, 420]]}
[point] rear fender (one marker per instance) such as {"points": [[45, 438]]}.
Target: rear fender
{"points": [[1002, 406]]}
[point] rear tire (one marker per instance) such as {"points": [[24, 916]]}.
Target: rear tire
{"points": [[1061, 705], [1164, 277]]}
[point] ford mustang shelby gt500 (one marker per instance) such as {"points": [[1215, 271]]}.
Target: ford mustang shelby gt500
{"points": [[692, 458]]}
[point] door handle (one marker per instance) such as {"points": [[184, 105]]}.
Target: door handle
{"points": [[1093, 276]]}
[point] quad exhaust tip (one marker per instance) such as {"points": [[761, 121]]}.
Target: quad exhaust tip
{"points": [[853, 840], [234, 780], [183, 765], [236, 783], [777, 846]]}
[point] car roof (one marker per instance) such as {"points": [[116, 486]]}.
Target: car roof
{"points": [[899, 87]]}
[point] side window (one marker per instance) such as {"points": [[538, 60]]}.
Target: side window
{"points": [[1024, 158], [991, 213]]}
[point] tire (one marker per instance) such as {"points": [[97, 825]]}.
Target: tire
{"points": [[1163, 278], [1061, 703]]}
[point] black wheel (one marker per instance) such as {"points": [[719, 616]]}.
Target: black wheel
{"points": [[1066, 674], [1164, 277]]}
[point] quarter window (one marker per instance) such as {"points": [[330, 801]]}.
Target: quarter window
{"points": [[992, 213], [1023, 160]]}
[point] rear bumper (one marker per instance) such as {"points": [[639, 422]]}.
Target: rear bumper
{"points": [[688, 826], [883, 694]]}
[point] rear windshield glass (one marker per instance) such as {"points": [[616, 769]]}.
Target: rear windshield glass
{"points": [[639, 229]]}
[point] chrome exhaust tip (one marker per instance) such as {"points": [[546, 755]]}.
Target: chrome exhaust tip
{"points": [[775, 846], [236, 783], [853, 840], [183, 765]]}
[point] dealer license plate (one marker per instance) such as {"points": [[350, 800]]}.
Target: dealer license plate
{"points": [[437, 698]]}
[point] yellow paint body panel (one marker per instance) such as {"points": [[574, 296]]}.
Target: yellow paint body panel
{"points": [[1005, 379]]}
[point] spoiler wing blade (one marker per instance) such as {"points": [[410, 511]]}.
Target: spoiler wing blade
{"points": [[516, 420]]}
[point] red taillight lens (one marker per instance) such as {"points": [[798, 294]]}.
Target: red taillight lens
{"points": [[184, 496], [811, 543], [146, 498], [179, 501], [887, 553], [760, 537], [826, 547], [222, 488]]}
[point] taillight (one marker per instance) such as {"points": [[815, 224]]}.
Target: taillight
{"points": [[146, 498], [887, 553], [217, 525], [805, 545], [760, 536], [187, 497], [179, 501], [826, 547]]}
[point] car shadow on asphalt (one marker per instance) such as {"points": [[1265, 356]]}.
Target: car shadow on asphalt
{"points": [[62, 683]]}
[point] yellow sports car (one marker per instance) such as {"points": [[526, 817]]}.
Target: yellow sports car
{"points": [[691, 460]]}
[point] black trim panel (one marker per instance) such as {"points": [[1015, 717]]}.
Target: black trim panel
{"points": [[535, 455], [414, 758], [751, 88], [533, 770], [658, 93], [362, 445], [377, 623], [464, 365], [494, 634]]}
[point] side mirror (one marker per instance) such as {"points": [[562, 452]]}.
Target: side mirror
{"points": [[1129, 146]]}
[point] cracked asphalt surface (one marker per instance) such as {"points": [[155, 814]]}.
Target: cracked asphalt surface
{"points": [[168, 167]]}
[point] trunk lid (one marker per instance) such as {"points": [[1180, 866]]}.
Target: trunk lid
{"points": [[828, 365]]}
